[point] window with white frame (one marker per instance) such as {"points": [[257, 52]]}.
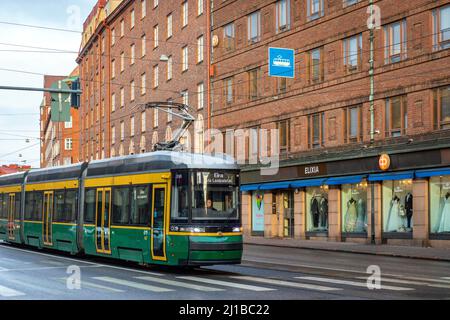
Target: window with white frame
{"points": [[68, 124], [155, 76], [113, 69], [113, 135], [133, 54], [122, 97], [132, 19], [122, 62], [395, 42], [68, 144], [200, 95], [155, 3], [132, 90], [143, 8], [155, 118], [199, 7], [185, 55], [229, 37], [169, 114], [143, 84], [169, 26], [184, 13], [254, 27], [132, 126], [143, 121], [441, 28], [200, 45], [113, 36], [143, 45], [113, 102], [347, 3], [122, 28], [155, 36], [315, 9], [353, 53], [283, 15], [169, 68], [122, 130]]}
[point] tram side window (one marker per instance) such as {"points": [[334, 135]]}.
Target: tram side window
{"points": [[3, 211], [59, 206], [140, 206], [89, 206], [37, 207], [121, 206], [71, 201], [29, 202], [180, 197], [17, 206]]}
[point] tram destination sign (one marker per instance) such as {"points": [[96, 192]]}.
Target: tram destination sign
{"points": [[216, 178]]}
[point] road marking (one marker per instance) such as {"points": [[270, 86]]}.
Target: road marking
{"points": [[227, 284], [56, 263], [81, 261], [8, 292], [93, 285], [45, 268], [286, 283], [179, 284], [421, 279], [132, 284], [383, 279], [352, 283]]}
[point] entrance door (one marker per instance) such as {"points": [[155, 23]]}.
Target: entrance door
{"points": [[159, 216], [103, 220], [11, 217], [47, 218], [288, 212]]}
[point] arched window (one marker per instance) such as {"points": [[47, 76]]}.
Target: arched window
{"points": [[131, 148], [142, 144], [121, 150], [199, 135], [155, 138], [168, 134]]}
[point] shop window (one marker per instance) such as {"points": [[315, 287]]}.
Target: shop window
{"points": [[441, 108], [396, 116], [395, 42], [353, 124], [441, 28], [352, 48], [440, 205], [397, 206], [316, 130], [354, 208], [258, 213], [317, 209]]}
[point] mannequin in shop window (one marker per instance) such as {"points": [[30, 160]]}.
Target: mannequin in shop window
{"points": [[361, 222], [409, 209], [394, 220], [323, 212], [315, 211], [444, 224], [352, 216]]}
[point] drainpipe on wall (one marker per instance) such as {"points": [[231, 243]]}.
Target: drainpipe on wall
{"points": [[372, 116]]}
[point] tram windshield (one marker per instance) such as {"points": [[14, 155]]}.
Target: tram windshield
{"points": [[205, 195]]}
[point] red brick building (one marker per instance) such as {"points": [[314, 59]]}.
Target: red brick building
{"points": [[330, 185], [59, 140], [140, 51], [13, 168]]}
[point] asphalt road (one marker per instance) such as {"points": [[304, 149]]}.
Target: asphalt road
{"points": [[267, 273]]}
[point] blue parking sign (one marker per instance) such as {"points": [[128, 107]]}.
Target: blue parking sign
{"points": [[281, 62]]}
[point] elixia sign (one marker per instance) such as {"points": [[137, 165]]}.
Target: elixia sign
{"points": [[312, 170]]}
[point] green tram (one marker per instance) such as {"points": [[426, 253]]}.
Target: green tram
{"points": [[166, 208]]}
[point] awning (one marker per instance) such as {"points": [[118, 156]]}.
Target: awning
{"points": [[433, 173], [344, 180], [392, 176], [275, 185], [307, 183], [250, 187]]}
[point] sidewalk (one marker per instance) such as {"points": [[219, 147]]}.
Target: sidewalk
{"points": [[382, 250]]}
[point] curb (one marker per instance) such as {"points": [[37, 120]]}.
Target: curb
{"points": [[385, 254]]}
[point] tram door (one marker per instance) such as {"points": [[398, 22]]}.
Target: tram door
{"points": [[158, 223], [47, 218], [103, 221], [11, 217]]}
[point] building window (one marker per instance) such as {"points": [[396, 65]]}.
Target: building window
{"points": [[199, 7], [113, 69], [396, 116], [122, 62], [316, 69], [354, 207], [132, 127], [132, 90], [229, 37], [143, 121], [317, 209], [122, 97], [169, 114], [315, 9], [68, 124], [143, 45], [352, 53], [353, 124], [185, 54], [185, 97], [348, 3], [440, 205], [132, 20], [113, 36], [169, 26], [169, 68], [143, 84], [397, 206], [283, 15], [200, 47], [254, 27], [113, 102], [229, 90], [395, 42], [132, 51], [113, 135], [281, 85], [184, 13], [155, 76], [283, 136], [441, 28], [253, 84], [200, 95], [155, 36], [68, 144], [122, 28], [441, 108], [122, 131], [155, 3], [155, 118], [143, 8], [316, 130]]}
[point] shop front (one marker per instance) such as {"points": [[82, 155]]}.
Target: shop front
{"points": [[369, 204]]}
